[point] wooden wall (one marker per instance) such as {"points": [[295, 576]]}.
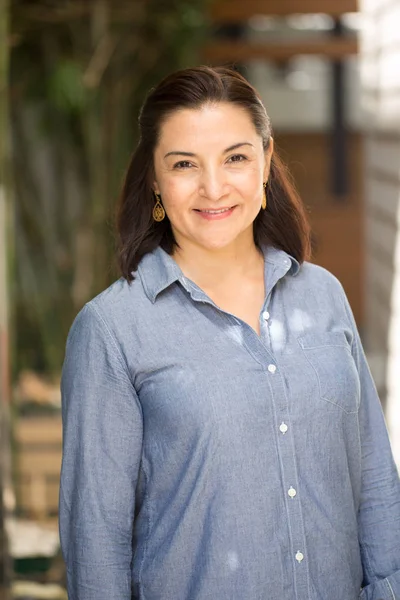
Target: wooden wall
{"points": [[337, 224], [37, 465]]}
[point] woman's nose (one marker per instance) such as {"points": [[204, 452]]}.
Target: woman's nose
{"points": [[213, 184]]}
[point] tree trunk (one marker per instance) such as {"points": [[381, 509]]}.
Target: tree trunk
{"points": [[4, 312]]}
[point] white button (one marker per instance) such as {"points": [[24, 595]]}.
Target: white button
{"points": [[271, 368], [299, 556], [265, 315], [283, 427], [292, 492]]}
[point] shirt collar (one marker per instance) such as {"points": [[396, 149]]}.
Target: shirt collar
{"points": [[158, 270], [280, 258]]}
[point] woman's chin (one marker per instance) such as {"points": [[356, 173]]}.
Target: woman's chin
{"points": [[218, 243]]}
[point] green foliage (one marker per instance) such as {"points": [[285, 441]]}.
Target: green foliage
{"points": [[65, 87], [79, 74]]}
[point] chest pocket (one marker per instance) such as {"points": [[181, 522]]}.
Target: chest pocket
{"points": [[329, 354]]}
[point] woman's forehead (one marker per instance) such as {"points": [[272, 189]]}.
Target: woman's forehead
{"points": [[211, 122]]}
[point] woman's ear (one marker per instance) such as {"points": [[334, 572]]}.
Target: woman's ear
{"points": [[155, 187]]}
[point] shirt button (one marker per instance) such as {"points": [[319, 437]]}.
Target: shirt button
{"points": [[292, 492], [299, 556], [265, 315], [271, 368], [283, 427]]}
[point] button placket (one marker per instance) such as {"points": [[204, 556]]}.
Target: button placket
{"points": [[293, 504], [296, 548], [284, 433]]}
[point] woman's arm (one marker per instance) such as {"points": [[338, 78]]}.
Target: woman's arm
{"points": [[102, 440], [379, 514]]}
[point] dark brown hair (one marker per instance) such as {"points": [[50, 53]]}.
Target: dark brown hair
{"points": [[283, 224]]}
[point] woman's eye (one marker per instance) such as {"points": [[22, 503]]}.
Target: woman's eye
{"points": [[237, 158], [182, 164]]}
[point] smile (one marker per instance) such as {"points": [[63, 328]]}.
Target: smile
{"points": [[211, 214], [214, 212]]}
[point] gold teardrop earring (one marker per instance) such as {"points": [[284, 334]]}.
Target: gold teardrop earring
{"points": [[158, 210], [264, 200]]}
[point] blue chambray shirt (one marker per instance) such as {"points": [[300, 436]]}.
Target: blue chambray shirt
{"points": [[204, 462]]}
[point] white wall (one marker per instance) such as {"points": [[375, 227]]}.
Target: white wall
{"points": [[300, 99], [380, 78]]}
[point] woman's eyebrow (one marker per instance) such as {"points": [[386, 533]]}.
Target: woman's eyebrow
{"points": [[179, 153], [237, 146], [183, 153]]}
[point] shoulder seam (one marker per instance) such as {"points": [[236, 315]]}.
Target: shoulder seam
{"points": [[121, 358], [354, 348]]}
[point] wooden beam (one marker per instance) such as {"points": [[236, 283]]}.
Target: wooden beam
{"points": [[231, 11], [222, 52]]}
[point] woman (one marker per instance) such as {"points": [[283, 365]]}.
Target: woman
{"points": [[223, 438]]}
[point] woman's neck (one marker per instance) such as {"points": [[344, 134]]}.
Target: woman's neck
{"points": [[215, 268]]}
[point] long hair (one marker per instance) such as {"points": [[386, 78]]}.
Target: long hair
{"points": [[283, 224]]}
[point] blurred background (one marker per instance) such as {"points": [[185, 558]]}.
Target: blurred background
{"points": [[73, 74]]}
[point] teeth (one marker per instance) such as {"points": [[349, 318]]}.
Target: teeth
{"points": [[216, 212]]}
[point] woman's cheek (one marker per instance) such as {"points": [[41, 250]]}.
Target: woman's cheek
{"points": [[177, 193]]}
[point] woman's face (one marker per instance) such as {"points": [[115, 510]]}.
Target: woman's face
{"points": [[209, 170]]}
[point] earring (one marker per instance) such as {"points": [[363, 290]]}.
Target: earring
{"points": [[158, 210], [264, 200]]}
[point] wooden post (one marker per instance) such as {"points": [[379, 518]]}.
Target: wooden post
{"points": [[4, 310], [340, 174]]}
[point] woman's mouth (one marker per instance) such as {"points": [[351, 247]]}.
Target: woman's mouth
{"points": [[215, 214]]}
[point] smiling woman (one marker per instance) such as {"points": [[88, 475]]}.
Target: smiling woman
{"points": [[217, 183], [206, 145], [222, 435]]}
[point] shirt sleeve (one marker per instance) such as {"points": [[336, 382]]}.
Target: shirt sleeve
{"points": [[102, 441], [379, 512]]}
